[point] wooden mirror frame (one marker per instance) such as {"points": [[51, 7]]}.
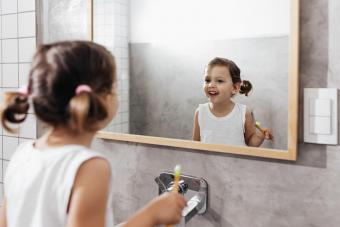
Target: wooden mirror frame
{"points": [[289, 154]]}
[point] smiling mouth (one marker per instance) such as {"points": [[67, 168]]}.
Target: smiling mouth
{"points": [[212, 92]]}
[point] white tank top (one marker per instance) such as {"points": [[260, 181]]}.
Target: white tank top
{"points": [[38, 184], [222, 130]]}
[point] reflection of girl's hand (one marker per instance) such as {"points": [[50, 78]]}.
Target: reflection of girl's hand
{"points": [[267, 132]]}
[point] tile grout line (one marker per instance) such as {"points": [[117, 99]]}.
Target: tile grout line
{"points": [[18, 57], [2, 144]]}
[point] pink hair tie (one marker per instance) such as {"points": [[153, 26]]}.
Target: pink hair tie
{"points": [[23, 90], [83, 88]]}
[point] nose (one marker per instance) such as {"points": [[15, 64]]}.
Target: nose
{"points": [[211, 84]]}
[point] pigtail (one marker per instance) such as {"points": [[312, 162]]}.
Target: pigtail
{"points": [[13, 109], [86, 110], [246, 87]]}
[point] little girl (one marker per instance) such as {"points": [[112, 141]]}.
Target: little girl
{"points": [[222, 120], [58, 180]]}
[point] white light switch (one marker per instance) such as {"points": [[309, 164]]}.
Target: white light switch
{"points": [[320, 107], [320, 115], [320, 125]]}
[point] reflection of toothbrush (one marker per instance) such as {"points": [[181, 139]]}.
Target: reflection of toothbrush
{"points": [[177, 177], [258, 125]]}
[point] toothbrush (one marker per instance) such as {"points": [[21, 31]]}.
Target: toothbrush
{"points": [[177, 176], [177, 171]]}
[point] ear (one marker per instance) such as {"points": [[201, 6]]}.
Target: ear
{"points": [[236, 88]]}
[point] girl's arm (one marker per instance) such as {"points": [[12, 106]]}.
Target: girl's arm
{"points": [[89, 197], [196, 129], [3, 222], [88, 200], [253, 137]]}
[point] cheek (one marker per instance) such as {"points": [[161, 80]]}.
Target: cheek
{"points": [[225, 88], [205, 87], [113, 105]]}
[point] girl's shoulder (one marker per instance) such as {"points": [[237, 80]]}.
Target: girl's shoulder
{"points": [[202, 109], [23, 149], [72, 153], [240, 105], [203, 106]]}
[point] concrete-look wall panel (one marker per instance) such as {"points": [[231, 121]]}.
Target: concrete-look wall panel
{"points": [[247, 191]]}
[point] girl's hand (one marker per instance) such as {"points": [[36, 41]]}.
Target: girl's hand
{"points": [[167, 208]]}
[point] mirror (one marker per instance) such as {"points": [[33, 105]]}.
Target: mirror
{"points": [[163, 47]]}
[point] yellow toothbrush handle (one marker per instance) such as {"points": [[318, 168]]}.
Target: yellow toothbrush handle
{"points": [[258, 125], [175, 189]]}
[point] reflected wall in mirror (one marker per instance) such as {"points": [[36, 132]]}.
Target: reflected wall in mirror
{"points": [[163, 47]]}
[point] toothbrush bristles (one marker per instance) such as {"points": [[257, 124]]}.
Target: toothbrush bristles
{"points": [[177, 170]]}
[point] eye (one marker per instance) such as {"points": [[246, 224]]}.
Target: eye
{"points": [[220, 81], [207, 80]]}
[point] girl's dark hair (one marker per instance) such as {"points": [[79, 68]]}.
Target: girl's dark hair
{"points": [[57, 69], [235, 73]]}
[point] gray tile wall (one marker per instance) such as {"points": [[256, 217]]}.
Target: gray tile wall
{"points": [[247, 191]]}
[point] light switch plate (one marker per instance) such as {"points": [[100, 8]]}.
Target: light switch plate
{"points": [[321, 115], [320, 125], [320, 107]]}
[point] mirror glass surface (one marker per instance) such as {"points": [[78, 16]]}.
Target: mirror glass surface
{"points": [[163, 47]]}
